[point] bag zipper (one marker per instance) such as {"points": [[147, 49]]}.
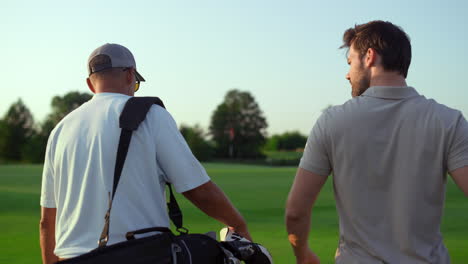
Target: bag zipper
{"points": [[175, 249]]}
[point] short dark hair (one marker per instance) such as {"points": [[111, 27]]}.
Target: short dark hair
{"points": [[387, 39]]}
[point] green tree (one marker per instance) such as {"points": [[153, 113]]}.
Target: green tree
{"points": [[286, 141], [238, 126], [272, 143], [16, 128], [195, 137], [3, 139], [291, 141], [34, 150]]}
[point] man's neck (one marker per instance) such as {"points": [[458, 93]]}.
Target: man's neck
{"points": [[388, 79], [113, 90]]}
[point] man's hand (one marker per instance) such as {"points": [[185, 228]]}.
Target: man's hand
{"points": [[212, 201]]}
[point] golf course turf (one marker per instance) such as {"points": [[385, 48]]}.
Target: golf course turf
{"points": [[259, 192]]}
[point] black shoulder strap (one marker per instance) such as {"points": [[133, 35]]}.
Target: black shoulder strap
{"points": [[133, 113]]}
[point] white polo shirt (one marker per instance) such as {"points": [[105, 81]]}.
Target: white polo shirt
{"points": [[79, 170]]}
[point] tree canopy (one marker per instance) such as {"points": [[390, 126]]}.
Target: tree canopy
{"points": [[238, 126], [195, 137], [287, 141], [16, 128]]}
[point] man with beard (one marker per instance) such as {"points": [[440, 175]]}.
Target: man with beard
{"points": [[389, 149]]}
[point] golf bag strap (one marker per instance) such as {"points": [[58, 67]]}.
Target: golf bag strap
{"points": [[133, 113], [175, 214]]}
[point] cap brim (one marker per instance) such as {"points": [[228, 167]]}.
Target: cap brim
{"points": [[139, 77]]}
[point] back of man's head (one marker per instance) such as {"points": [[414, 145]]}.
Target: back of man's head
{"points": [[387, 39], [111, 74], [112, 80], [112, 68]]}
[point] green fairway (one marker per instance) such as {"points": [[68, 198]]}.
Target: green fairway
{"points": [[258, 191]]}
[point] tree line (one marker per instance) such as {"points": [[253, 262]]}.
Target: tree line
{"points": [[237, 130]]}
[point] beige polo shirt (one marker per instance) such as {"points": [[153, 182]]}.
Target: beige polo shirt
{"points": [[389, 150]]}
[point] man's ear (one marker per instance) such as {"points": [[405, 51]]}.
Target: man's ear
{"points": [[129, 77], [130, 81], [370, 57], [90, 85]]}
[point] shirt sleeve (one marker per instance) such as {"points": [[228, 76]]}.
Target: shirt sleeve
{"points": [[47, 189], [458, 148], [174, 156], [315, 158]]}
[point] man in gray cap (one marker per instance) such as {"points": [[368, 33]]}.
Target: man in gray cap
{"points": [[389, 149], [80, 159]]}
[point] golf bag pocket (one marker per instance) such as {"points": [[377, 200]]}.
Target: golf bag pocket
{"points": [[160, 248], [199, 249]]}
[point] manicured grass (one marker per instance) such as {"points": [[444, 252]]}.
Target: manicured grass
{"points": [[20, 213], [259, 192]]}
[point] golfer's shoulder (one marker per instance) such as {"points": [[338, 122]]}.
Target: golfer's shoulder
{"points": [[78, 115], [159, 114], [443, 114], [336, 113], [157, 110]]}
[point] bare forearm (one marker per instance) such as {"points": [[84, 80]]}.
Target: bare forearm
{"points": [[223, 211], [47, 240], [298, 227], [302, 196], [47, 235], [212, 201], [460, 176]]}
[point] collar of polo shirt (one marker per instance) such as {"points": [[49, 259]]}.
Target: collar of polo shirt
{"points": [[391, 92]]}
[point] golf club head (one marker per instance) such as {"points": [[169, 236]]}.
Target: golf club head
{"points": [[226, 234], [243, 249]]}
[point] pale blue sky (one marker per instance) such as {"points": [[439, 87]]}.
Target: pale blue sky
{"points": [[191, 52]]}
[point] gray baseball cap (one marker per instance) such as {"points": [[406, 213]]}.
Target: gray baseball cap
{"points": [[112, 56]]}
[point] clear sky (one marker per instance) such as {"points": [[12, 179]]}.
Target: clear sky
{"points": [[192, 52]]}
